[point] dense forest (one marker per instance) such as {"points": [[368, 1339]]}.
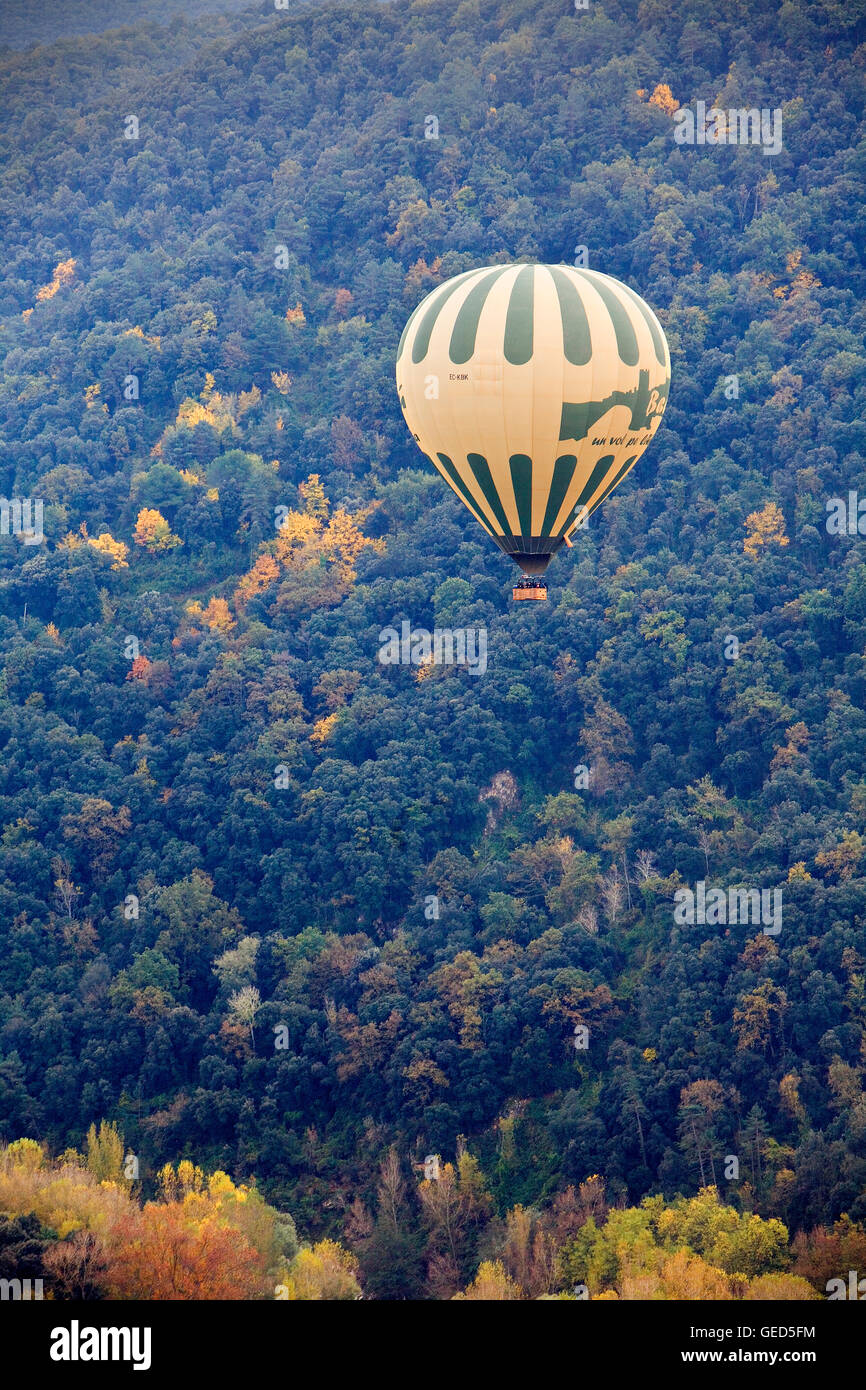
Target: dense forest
{"points": [[280, 922], [22, 25]]}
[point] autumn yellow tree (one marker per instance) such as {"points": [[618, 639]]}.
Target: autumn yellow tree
{"points": [[688, 1278], [314, 499], [64, 1194], [759, 1017], [322, 1271], [73, 539], [798, 873], [247, 400], [215, 411], [336, 687], [64, 274], [153, 532], [323, 728], [766, 528], [205, 1237], [802, 279], [107, 545], [843, 859], [664, 99], [259, 578], [295, 539], [342, 301], [216, 615], [491, 1284], [783, 1288], [344, 541], [105, 1152], [316, 555]]}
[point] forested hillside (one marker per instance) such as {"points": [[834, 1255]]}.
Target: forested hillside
{"points": [[275, 910], [23, 25]]}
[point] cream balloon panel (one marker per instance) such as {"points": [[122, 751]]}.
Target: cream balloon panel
{"points": [[523, 434]]}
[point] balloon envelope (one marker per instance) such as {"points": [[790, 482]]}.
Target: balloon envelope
{"points": [[533, 389]]}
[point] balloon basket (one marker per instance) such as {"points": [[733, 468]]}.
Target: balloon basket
{"points": [[532, 590]]}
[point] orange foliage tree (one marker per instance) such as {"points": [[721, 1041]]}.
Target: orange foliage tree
{"points": [[664, 99], [312, 550], [64, 274], [140, 669], [259, 578], [169, 1251]]}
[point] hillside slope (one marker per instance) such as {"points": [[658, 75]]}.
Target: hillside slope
{"points": [[209, 782]]}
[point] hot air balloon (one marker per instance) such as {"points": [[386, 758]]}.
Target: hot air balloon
{"points": [[533, 389]]}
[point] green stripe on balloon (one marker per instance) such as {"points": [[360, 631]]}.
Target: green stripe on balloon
{"points": [[613, 482], [411, 319], [649, 320], [521, 481], [597, 476], [465, 327], [626, 338], [461, 487], [483, 477], [576, 337], [563, 472], [422, 337], [518, 320]]}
